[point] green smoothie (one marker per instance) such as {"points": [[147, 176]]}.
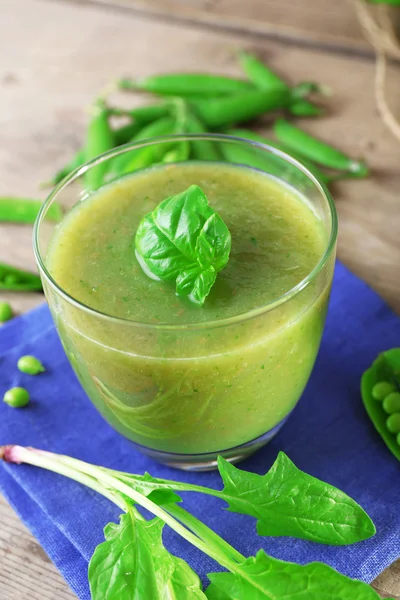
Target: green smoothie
{"points": [[166, 373]]}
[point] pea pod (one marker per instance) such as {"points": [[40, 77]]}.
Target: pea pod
{"points": [[269, 163], [310, 147], [265, 79], [146, 156], [250, 157], [25, 210], [261, 75], [304, 108], [183, 84], [100, 138], [245, 106], [143, 114], [17, 280], [76, 161], [122, 135], [179, 153], [117, 164], [251, 135], [385, 369], [201, 149]]}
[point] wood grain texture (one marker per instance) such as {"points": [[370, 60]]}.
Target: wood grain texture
{"points": [[45, 83], [38, 579], [322, 23]]}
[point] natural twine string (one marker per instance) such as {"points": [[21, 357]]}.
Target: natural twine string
{"points": [[379, 30]]}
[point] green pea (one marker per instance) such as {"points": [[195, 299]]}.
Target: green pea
{"points": [[393, 423], [391, 403], [30, 365], [17, 397], [6, 312], [382, 389], [398, 438]]}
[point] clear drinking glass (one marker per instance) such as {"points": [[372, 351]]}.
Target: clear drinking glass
{"points": [[173, 390]]}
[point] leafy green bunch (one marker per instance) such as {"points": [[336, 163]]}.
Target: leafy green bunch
{"points": [[133, 563]]}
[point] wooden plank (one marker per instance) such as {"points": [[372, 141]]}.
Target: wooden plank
{"points": [[327, 24], [46, 82], [26, 568]]}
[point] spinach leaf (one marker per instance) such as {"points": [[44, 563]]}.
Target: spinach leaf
{"points": [[262, 577], [285, 501], [288, 502], [133, 563], [184, 240]]}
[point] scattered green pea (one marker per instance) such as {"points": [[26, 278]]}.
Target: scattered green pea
{"points": [[393, 423], [391, 403], [5, 312], [382, 389], [17, 397], [30, 365]]}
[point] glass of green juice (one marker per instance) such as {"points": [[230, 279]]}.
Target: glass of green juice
{"points": [[183, 382]]}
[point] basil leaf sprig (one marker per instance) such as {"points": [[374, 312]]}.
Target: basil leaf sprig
{"points": [[133, 562], [184, 240]]}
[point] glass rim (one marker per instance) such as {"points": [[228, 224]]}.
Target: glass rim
{"points": [[254, 312]]}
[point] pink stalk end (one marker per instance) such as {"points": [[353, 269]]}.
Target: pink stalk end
{"points": [[11, 453]]}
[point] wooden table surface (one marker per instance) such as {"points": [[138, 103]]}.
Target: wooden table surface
{"points": [[70, 51]]}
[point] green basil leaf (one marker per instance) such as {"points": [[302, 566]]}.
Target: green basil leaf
{"points": [[184, 240], [288, 502], [262, 577], [133, 563]]}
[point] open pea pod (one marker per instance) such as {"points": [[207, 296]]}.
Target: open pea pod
{"points": [[385, 369]]}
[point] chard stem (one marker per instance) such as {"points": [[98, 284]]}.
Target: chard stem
{"points": [[101, 481]]}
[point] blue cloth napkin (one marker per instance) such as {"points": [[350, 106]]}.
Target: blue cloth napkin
{"points": [[329, 436]]}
